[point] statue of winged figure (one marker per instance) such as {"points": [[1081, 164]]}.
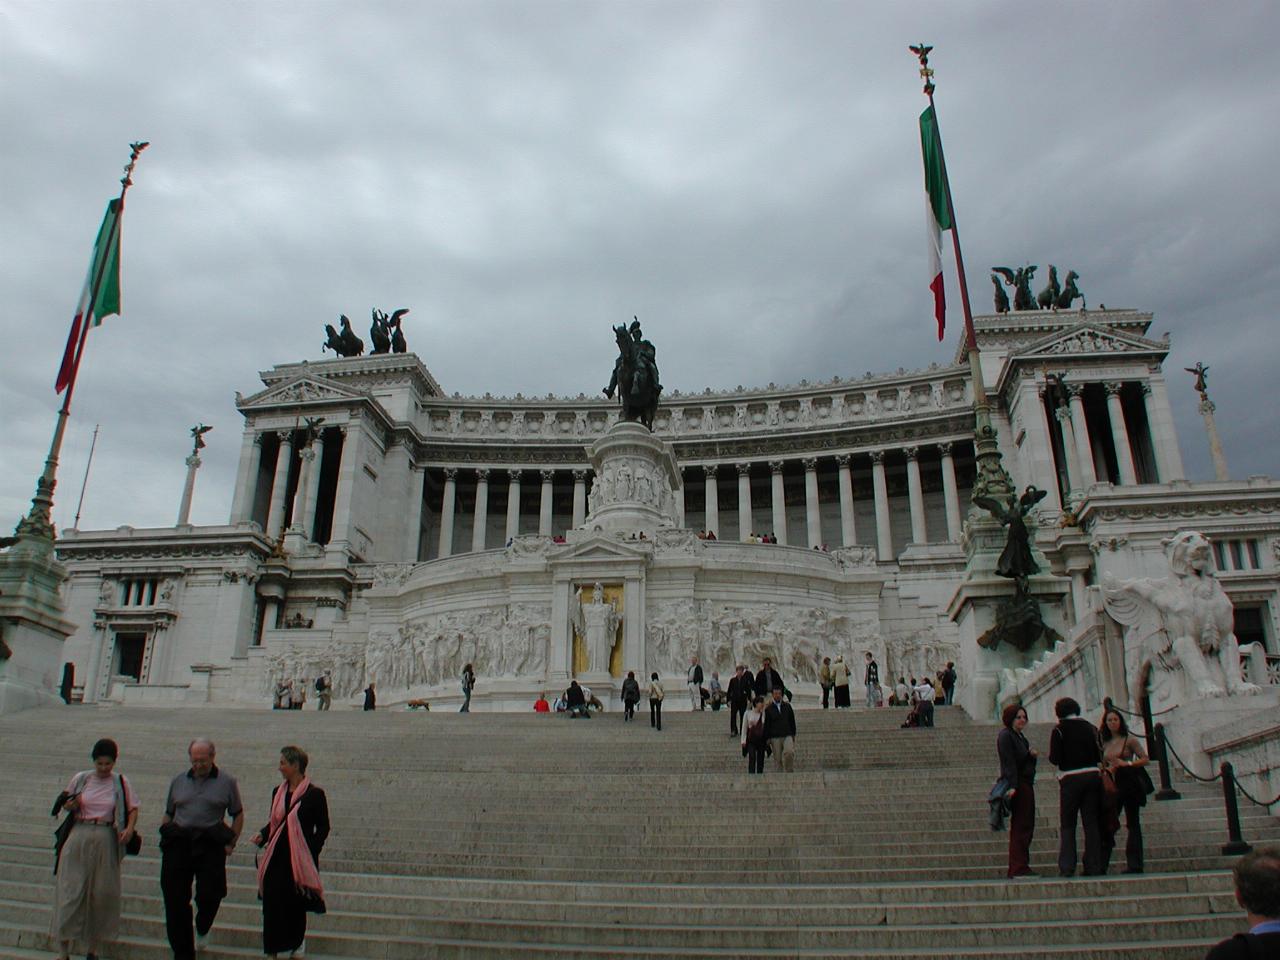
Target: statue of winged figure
{"points": [[1180, 632], [1017, 562], [197, 435], [1202, 377], [1020, 280]]}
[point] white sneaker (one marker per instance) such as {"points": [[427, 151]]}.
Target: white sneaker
{"points": [[202, 942]]}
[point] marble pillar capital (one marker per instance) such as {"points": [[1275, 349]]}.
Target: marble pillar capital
{"points": [[450, 473], [284, 436], [1146, 388], [912, 453], [514, 475], [193, 461], [810, 464], [548, 476], [1063, 415], [1113, 387], [843, 460], [945, 448], [482, 475], [580, 476], [744, 469], [1074, 390], [877, 456], [775, 467], [710, 470]]}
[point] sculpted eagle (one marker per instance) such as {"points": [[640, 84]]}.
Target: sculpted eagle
{"points": [[1180, 628]]}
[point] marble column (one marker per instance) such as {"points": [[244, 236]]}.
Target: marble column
{"points": [[188, 489], [297, 519], [915, 496], [313, 487], [848, 530], [1080, 427], [884, 536], [275, 516], [779, 498], [1163, 437], [579, 497], [544, 503], [713, 499], [351, 435], [480, 518], [1220, 471], [812, 514], [1071, 450], [247, 477], [447, 503], [513, 503], [950, 494], [745, 522], [411, 547], [1120, 434]]}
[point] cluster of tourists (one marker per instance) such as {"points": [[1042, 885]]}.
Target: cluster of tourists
{"points": [[202, 824], [1101, 774]]}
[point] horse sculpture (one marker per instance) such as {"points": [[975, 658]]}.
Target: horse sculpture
{"points": [[1002, 298], [386, 333], [1048, 298], [344, 344], [1070, 292], [635, 375], [1020, 280]]}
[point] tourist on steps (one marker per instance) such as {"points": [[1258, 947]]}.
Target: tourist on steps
{"points": [[289, 865], [576, 701], [871, 680], [655, 702], [924, 694], [1257, 879], [370, 697], [86, 906], [1124, 757], [195, 842], [780, 731], [754, 743], [824, 681], [1073, 749], [468, 684], [630, 696], [840, 681], [695, 684], [740, 696], [1018, 769]]}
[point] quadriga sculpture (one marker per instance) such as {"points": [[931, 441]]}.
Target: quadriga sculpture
{"points": [[1179, 628]]}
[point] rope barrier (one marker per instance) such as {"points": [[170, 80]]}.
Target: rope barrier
{"points": [[1187, 770], [1252, 799]]}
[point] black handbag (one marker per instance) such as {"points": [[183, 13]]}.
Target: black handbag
{"points": [[134, 846], [60, 838]]}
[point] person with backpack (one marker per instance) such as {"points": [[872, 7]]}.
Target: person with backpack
{"points": [[104, 812], [655, 702], [324, 691], [468, 684], [630, 696]]}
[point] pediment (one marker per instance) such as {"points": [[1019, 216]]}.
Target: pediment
{"points": [[1089, 340], [300, 390], [601, 548]]}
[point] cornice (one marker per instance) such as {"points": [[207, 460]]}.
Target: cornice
{"points": [[380, 370], [127, 543], [1177, 503]]}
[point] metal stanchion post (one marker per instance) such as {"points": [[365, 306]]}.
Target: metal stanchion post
{"points": [[1235, 840], [1166, 791]]}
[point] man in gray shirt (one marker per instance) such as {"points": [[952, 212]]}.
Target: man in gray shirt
{"points": [[195, 841]]}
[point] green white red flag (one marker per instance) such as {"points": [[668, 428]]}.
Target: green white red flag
{"points": [[937, 211], [100, 296]]}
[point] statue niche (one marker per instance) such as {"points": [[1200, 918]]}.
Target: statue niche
{"points": [[597, 648], [1180, 629]]}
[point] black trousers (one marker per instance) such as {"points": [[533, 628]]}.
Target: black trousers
{"points": [[737, 711], [655, 714], [1133, 838], [182, 861], [826, 697], [628, 709], [755, 757], [1080, 796]]}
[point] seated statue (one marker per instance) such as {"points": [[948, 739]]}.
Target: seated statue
{"points": [[1180, 629]]}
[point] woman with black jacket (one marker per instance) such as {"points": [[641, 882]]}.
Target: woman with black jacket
{"points": [[1018, 769]]}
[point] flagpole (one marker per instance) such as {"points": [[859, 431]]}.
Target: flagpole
{"points": [[992, 479], [85, 482], [38, 523]]}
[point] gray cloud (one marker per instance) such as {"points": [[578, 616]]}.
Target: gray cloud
{"points": [[744, 176]]}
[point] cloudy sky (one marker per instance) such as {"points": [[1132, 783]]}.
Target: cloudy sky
{"points": [[744, 176]]}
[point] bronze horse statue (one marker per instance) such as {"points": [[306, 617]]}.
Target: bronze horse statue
{"points": [[635, 375], [344, 344], [1070, 292], [1048, 298]]}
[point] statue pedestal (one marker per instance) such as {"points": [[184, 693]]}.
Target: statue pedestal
{"points": [[636, 482], [976, 607], [1205, 731], [34, 629]]}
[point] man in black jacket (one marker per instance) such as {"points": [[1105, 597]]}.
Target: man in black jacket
{"points": [[1257, 877], [780, 729], [694, 676], [1074, 750], [740, 689], [767, 680]]}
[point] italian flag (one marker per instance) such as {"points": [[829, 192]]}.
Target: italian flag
{"points": [[936, 213], [100, 296]]}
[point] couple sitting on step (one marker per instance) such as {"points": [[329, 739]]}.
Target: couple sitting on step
{"points": [[578, 701]]}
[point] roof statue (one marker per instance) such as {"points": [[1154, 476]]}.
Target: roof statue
{"points": [[344, 344], [1002, 298], [386, 333], [197, 436], [1020, 280]]}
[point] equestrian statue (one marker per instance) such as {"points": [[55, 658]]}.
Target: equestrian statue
{"points": [[635, 375]]}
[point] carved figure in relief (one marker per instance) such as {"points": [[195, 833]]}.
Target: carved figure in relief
{"points": [[1180, 634], [644, 487], [623, 487]]}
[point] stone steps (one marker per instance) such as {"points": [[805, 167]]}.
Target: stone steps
{"points": [[547, 838]]}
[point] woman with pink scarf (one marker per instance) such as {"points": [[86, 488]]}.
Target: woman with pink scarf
{"points": [[289, 864]]}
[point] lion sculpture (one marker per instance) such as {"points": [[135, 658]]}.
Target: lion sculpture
{"points": [[1179, 628]]}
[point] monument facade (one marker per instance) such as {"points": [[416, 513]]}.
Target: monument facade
{"points": [[385, 531]]}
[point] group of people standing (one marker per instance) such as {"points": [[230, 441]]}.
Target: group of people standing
{"points": [[202, 822], [1100, 774]]}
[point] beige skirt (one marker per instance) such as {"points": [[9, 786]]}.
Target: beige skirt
{"points": [[86, 904]]}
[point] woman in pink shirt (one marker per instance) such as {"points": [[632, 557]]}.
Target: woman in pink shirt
{"points": [[87, 894]]}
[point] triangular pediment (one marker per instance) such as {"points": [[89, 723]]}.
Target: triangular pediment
{"points": [[300, 390], [1088, 340], [601, 547]]}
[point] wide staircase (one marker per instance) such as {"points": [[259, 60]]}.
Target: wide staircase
{"points": [[491, 835]]}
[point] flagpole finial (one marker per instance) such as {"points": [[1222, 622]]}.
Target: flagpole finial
{"points": [[921, 51], [135, 150]]}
